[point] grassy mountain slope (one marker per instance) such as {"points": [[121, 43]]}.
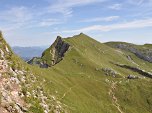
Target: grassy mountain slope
{"points": [[83, 86], [87, 80]]}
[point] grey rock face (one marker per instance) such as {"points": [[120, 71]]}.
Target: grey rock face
{"points": [[51, 56], [60, 47], [37, 61], [55, 53], [145, 54]]}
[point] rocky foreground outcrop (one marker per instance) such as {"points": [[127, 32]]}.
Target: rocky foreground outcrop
{"points": [[53, 55], [10, 87], [20, 89]]}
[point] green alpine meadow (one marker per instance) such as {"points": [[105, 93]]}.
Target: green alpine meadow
{"points": [[77, 75]]}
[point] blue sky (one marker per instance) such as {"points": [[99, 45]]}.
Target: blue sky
{"points": [[38, 22]]}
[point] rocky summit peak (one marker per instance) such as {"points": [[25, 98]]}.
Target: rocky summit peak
{"points": [[56, 51], [81, 33], [53, 55], [58, 40], [59, 37]]}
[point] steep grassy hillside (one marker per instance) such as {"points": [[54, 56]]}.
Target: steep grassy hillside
{"points": [[21, 90], [87, 80]]}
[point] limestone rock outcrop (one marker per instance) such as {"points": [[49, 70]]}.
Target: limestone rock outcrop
{"points": [[53, 55], [145, 54]]}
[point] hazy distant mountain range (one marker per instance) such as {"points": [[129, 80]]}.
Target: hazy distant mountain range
{"points": [[29, 52]]}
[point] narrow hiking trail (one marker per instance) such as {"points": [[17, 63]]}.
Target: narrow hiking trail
{"points": [[114, 98], [68, 91]]}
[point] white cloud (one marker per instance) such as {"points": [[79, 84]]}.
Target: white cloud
{"points": [[11, 27], [146, 3], [115, 6], [49, 22], [107, 19], [65, 6], [16, 14], [15, 18], [127, 25], [23, 17], [137, 2]]}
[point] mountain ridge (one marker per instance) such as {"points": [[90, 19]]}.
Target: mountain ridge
{"points": [[142, 51]]}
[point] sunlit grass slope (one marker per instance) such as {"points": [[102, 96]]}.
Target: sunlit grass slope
{"points": [[79, 82]]}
